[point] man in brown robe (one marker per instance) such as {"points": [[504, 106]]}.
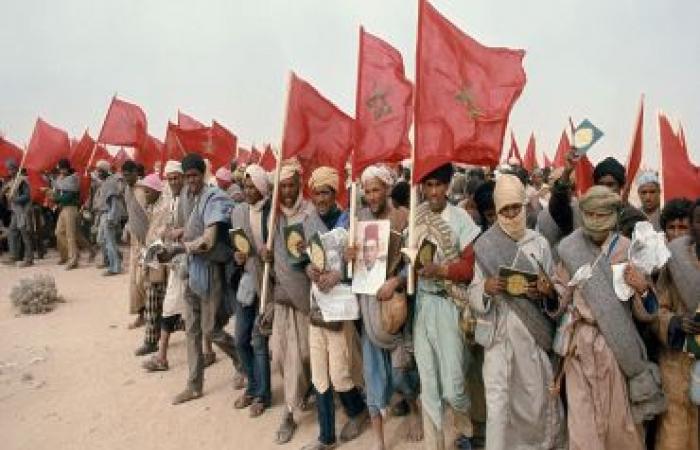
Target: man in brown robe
{"points": [[137, 226]]}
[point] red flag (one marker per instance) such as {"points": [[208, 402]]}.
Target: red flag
{"points": [[514, 151], [185, 122], [383, 105], [48, 145], [530, 159], [547, 161], [119, 159], [316, 132], [268, 161], [80, 153], [37, 184], [8, 151], [243, 155], [681, 137], [584, 175], [125, 124], [635, 156], [465, 92], [681, 178], [150, 154], [255, 156], [223, 146], [562, 150]]}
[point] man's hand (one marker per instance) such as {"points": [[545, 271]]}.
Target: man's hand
{"points": [[494, 286], [433, 270], [313, 273], [168, 253], [544, 287], [240, 258], [350, 253], [327, 280], [386, 291], [689, 325], [635, 279], [176, 234], [266, 255]]}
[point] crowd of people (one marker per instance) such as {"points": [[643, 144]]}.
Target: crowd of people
{"points": [[515, 332]]}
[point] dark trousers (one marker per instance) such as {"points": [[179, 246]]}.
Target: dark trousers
{"points": [[352, 402], [254, 353]]}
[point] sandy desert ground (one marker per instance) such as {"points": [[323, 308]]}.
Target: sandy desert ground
{"points": [[69, 380]]}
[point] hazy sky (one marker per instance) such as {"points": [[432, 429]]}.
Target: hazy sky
{"points": [[228, 60]]}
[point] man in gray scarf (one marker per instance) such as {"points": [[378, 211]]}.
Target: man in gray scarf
{"points": [[18, 195]]}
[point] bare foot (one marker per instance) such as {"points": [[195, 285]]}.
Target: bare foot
{"points": [[414, 427]]}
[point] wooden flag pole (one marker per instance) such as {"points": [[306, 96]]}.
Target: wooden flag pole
{"points": [[353, 220], [353, 181], [272, 221], [15, 182]]}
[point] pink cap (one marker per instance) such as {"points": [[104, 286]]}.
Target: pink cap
{"points": [[223, 174]]}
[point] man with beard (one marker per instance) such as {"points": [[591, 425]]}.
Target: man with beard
{"points": [[66, 194], [649, 191], [333, 345], [517, 369], [252, 345], [290, 295], [679, 286], [387, 360], [441, 350], [611, 385]]}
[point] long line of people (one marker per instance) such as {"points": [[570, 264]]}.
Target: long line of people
{"points": [[516, 333]]}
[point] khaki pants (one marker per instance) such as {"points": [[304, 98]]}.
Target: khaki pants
{"points": [[331, 355], [67, 234]]}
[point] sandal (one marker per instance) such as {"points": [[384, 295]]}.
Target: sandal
{"points": [[257, 408], [239, 382], [286, 430], [155, 364], [243, 401], [209, 359]]}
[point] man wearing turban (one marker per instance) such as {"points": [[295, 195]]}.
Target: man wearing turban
{"points": [[649, 191], [518, 344], [609, 377]]}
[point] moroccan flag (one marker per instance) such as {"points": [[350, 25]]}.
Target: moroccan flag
{"points": [[465, 92], [150, 154], [243, 155], [125, 124], [8, 151], [185, 122], [255, 155], [47, 145], [547, 161], [383, 106], [635, 156], [681, 178], [681, 137], [562, 150], [268, 161], [119, 159], [530, 159], [584, 175], [223, 146], [37, 182], [316, 132], [514, 151], [81, 152]]}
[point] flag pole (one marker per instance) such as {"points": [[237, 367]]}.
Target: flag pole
{"points": [[628, 185], [15, 182], [272, 220], [353, 178], [659, 113]]}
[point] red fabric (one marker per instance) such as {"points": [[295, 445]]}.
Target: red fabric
{"points": [[383, 106], [530, 159], [172, 149], [316, 132], [562, 150], [681, 137], [223, 144], [47, 145], [85, 180], [465, 92], [681, 178], [80, 153], [547, 161], [8, 151], [514, 150], [185, 122], [584, 175], [120, 158], [150, 154], [268, 161], [125, 124], [462, 269], [243, 155], [255, 156], [37, 183], [635, 156]]}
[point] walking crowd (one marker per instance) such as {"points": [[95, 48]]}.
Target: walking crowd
{"points": [[533, 326]]}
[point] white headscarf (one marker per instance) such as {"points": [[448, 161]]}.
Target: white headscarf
{"points": [[259, 178], [172, 166], [381, 172]]}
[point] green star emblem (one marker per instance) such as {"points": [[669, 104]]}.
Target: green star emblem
{"points": [[378, 104], [465, 97]]}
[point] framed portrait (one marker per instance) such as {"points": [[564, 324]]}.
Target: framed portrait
{"points": [[372, 241]]}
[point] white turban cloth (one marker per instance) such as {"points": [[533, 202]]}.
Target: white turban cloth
{"points": [[259, 178], [172, 166], [324, 176], [380, 172]]}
